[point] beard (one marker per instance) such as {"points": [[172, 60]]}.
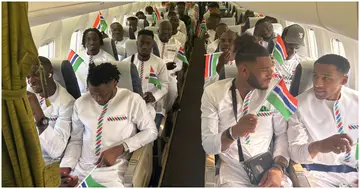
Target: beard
{"points": [[253, 82]]}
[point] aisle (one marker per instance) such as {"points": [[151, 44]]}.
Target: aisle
{"points": [[186, 159]]}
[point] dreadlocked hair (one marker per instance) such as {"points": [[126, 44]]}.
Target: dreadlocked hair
{"points": [[102, 74], [247, 49], [92, 30]]}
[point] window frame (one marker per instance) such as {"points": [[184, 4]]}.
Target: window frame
{"points": [[50, 51]]}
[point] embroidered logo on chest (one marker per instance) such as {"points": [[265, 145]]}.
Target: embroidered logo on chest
{"points": [[52, 118], [117, 118], [353, 127], [264, 114]]}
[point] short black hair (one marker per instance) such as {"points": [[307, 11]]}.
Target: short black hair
{"points": [[132, 18], [341, 63], [172, 13], [146, 32], [45, 62], [139, 12], [247, 49], [215, 15], [263, 20], [149, 9], [180, 3], [213, 5], [271, 19], [102, 73], [92, 30]]}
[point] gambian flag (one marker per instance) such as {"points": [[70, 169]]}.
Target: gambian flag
{"points": [[89, 182], [357, 150], [156, 15], [100, 23], [181, 56], [279, 51], [154, 79], [202, 30], [211, 60], [282, 100], [75, 60]]}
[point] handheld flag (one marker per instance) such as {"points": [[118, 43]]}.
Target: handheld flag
{"points": [[357, 150], [89, 182], [75, 60], [156, 15], [211, 60], [202, 30], [181, 56], [279, 51], [282, 100], [100, 23], [154, 79]]}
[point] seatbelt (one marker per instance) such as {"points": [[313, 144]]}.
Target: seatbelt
{"points": [[234, 102]]}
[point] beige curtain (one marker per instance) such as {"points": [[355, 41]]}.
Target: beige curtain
{"points": [[22, 161]]}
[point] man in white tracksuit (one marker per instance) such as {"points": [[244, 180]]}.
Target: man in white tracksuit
{"points": [[323, 132]]}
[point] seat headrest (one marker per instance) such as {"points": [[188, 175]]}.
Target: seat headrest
{"points": [[131, 47], [126, 31], [302, 80], [154, 29], [228, 21], [149, 18], [230, 71], [278, 28], [235, 28], [110, 47], [253, 21], [141, 23], [65, 76]]}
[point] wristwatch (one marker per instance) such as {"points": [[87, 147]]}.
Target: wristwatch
{"points": [[43, 122], [229, 134], [283, 166]]}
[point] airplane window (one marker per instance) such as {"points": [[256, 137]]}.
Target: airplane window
{"points": [[337, 47], [47, 50], [75, 41], [313, 45]]}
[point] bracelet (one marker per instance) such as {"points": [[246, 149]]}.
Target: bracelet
{"points": [[229, 134]]}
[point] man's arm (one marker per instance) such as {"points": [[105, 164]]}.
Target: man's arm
{"points": [[280, 153], [74, 148], [54, 140], [145, 124]]}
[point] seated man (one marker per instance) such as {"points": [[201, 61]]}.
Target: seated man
{"points": [[140, 15], [145, 61], [182, 16], [322, 133], [132, 22], [213, 8], [109, 123], [91, 42], [211, 23], [53, 118], [265, 30], [220, 29], [182, 25], [169, 47], [293, 37], [222, 123], [117, 33], [176, 34], [227, 46]]}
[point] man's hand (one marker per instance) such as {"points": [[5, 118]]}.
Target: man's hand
{"points": [[170, 65], [109, 156], [35, 106], [338, 143], [246, 124], [271, 178], [66, 179], [206, 35], [149, 97], [223, 59]]}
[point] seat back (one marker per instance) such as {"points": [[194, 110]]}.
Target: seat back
{"points": [[278, 28], [161, 9], [228, 21], [228, 71], [250, 31], [149, 18], [141, 23], [110, 47], [253, 21], [126, 31], [302, 80], [131, 47], [65, 76], [154, 29], [235, 28]]}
